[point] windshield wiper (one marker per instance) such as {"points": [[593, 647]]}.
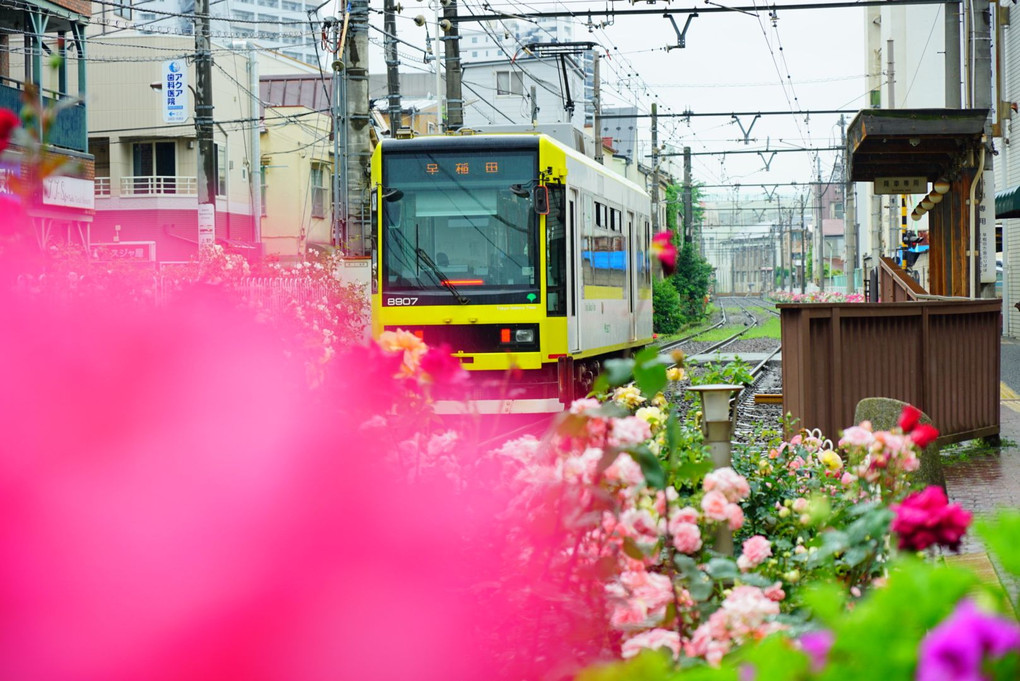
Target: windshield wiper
{"points": [[440, 275]]}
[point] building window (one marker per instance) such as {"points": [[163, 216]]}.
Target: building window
{"points": [[318, 182], [509, 83], [123, 9], [262, 181], [221, 170], [243, 16], [154, 167]]}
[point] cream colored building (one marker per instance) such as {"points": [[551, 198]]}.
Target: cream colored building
{"points": [[270, 161]]}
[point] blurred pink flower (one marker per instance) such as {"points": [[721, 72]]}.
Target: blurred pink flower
{"points": [[8, 122], [957, 649]]}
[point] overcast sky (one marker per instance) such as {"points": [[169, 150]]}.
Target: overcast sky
{"points": [[805, 60]]}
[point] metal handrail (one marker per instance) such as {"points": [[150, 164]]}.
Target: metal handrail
{"points": [[158, 185]]}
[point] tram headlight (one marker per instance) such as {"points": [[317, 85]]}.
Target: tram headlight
{"points": [[518, 336], [524, 335]]}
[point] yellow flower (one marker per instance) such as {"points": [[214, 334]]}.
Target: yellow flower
{"points": [[652, 415], [628, 395], [407, 343], [659, 400], [830, 460], [676, 374]]}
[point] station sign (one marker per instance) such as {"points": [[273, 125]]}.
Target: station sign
{"points": [[175, 91], [901, 185]]}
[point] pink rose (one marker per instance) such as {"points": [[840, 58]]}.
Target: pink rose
{"points": [[734, 516], [687, 514], [714, 505], [775, 592], [653, 639], [686, 537], [755, 551], [731, 484]]}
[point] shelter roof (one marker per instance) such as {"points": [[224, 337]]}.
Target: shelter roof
{"points": [[910, 142], [307, 90]]}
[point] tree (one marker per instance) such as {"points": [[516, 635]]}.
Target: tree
{"points": [[693, 273]]}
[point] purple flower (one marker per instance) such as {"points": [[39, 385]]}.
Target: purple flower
{"points": [[955, 649], [817, 644]]}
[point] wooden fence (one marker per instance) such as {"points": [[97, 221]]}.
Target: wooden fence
{"points": [[941, 356]]}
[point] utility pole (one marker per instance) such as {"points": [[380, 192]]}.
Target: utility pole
{"points": [[596, 97], [688, 198], [437, 62], [952, 43], [655, 168], [803, 252], [255, 163], [336, 33], [892, 76], [204, 130], [392, 65], [849, 215], [454, 91], [358, 150], [534, 106], [818, 268]]}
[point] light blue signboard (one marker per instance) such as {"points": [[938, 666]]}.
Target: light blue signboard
{"points": [[175, 91]]}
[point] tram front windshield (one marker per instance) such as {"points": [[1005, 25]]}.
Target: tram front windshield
{"points": [[459, 218]]}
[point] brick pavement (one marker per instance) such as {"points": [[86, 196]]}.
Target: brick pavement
{"points": [[982, 479]]}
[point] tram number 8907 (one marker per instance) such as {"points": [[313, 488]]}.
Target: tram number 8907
{"points": [[401, 302]]}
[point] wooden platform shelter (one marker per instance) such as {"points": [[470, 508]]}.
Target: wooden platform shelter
{"points": [[892, 147]]}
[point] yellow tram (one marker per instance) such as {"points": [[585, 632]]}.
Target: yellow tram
{"points": [[518, 252]]}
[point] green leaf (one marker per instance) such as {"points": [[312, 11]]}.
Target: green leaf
{"points": [[650, 378], [700, 587], [618, 371], [692, 472], [722, 568], [685, 564], [650, 466], [855, 555]]}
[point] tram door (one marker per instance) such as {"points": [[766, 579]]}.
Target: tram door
{"points": [[574, 272], [632, 275]]}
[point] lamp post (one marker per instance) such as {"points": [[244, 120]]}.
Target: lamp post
{"points": [[717, 427]]}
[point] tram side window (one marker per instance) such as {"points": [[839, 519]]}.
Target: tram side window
{"points": [[556, 255]]}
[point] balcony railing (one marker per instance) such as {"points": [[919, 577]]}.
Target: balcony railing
{"points": [[68, 131], [102, 186], [158, 185]]}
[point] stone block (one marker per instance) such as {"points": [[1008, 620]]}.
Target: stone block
{"points": [[884, 414]]}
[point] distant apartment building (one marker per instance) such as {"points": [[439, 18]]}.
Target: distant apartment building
{"points": [[272, 200], [280, 25], [62, 208]]}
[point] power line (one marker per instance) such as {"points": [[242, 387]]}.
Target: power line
{"points": [[727, 114], [711, 9]]}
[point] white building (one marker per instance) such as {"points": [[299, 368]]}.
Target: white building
{"points": [[280, 25]]}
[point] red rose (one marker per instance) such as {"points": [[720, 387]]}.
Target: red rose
{"points": [[924, 434], [910, 417], [927, 518], [8, 121]]}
